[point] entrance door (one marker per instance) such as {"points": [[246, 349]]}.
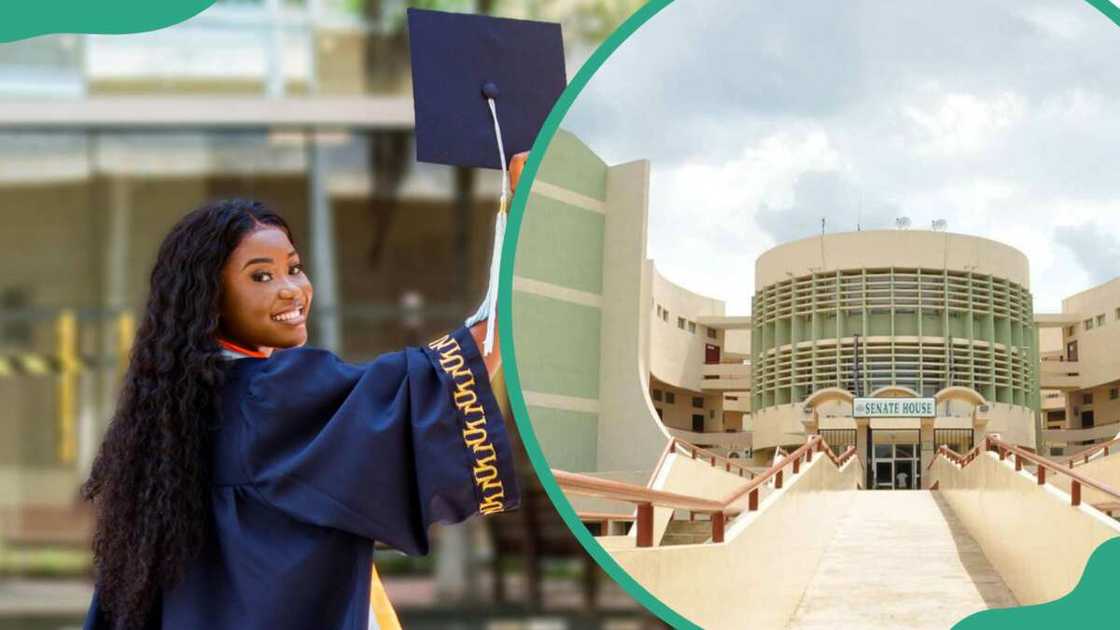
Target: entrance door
{"points": [[895, 465], [711, 353]]}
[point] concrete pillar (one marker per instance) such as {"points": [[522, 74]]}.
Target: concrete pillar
{"points": [[928, 448], [862, 425], [323, 259]]}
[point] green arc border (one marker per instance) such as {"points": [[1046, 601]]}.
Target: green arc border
{"points": [[505, 308]]}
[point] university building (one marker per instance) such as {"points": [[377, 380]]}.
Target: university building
{"points": [[843, 327]]}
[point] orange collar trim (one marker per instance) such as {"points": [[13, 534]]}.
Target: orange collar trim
{"points": [[229, 345]]}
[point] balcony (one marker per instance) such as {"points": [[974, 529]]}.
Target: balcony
{"points": [[741, 404], [1072, 436], [725, 377], [1063, 375]]}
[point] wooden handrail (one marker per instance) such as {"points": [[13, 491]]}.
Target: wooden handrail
{"points": [[645, 498], [1042, 464], [1085, 455], [604, 516], [696, 452], [589, 486]]}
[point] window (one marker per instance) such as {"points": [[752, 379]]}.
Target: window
{"points": [[1086, 399], [657, 395], [665, 315], [660, 414], [659, 311], [1118, 314], [698, 402], [1088, 324], [680, 323], [670, 397], [698, 423], [692, 327], [712, 414], [1070, 330], [1114, 393], [1100, 319], [712, 332]]}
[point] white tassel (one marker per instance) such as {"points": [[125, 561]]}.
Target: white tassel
{"points": [[489, 306]]}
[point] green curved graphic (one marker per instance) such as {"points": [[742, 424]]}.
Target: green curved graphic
{"points": [[29, 18], [1088, 605], [1023, 617]]}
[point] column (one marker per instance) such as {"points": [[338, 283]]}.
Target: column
{"points": [[928, 449]]}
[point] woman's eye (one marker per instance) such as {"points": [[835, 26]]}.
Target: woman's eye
{"points": [[296, 269], [262, 276]]}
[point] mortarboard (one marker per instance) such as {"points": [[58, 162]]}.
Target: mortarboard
{"points": [[482, 87], [460, 59]]}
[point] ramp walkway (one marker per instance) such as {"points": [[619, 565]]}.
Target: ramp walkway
{"points": [[899, 559], [799, 545]]}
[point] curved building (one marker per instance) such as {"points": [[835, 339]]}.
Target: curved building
{"points": [[899, 313]]}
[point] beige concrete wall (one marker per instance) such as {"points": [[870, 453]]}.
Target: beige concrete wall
{"points": [[1098, 349], [890, 248], [1106, 470], [676, 355], [1031, 534], [695, 478], [629, 434], [755, 579], [678, 414]]}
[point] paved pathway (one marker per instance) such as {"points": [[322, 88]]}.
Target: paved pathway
{"points": [[899, 559]]}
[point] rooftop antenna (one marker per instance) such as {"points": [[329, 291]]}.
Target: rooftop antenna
{"points": [[822, 225], [902, 223]]}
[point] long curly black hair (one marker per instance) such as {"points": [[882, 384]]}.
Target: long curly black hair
{"points": [[150, 480]]}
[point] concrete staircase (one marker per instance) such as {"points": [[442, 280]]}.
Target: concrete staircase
{"points": [[683, 532], [899, 559]]}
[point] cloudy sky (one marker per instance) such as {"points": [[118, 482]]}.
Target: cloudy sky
{"points": [[1001, 117]]}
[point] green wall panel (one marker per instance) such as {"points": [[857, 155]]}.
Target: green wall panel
{"points": [[557, 345], [559, 228], [571, 165], [568, 438]]}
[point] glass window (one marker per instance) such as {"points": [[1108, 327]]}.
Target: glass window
{"points": [[670, 397], [712, 333], [660, 414], [665, 315], [657, 395], [692, 327], [1070, 330], [1088, 324], [680, 323], [698, 423], [698, 402], [1100, 319], [905, 451], [883, 451], [1114, 393], [1086, 399]]}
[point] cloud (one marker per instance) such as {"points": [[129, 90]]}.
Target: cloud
{"points": [[1095, 248], [995, 115], [41, 17]]}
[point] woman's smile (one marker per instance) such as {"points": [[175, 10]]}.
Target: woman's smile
{"points": [[292, 316], [264, 278]]}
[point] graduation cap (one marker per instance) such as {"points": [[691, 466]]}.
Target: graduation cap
{"points": [[461, 60], [482, 87]]}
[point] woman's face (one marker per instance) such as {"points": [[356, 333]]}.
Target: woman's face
{"points": [[265, 295]]}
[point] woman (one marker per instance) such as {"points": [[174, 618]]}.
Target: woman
{"points": [[243, 478]]}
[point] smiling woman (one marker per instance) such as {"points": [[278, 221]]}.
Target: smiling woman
{"points": [[244, 478], [265, 293]]}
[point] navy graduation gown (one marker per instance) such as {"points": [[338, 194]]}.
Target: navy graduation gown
{"points": [[313, 459]]}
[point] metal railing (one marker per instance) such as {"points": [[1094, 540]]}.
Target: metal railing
{"points": [[1084, 456], [721, 510]]}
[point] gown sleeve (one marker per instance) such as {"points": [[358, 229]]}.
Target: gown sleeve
{"points": [[382, 449]]}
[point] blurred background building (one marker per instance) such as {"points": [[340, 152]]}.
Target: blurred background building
{"points": [[105, 141]]}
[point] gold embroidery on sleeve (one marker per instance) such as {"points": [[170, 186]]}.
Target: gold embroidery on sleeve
{"points": [[485, 470]]}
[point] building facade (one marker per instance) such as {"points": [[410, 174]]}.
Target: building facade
{"points": [[841, 324]]}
